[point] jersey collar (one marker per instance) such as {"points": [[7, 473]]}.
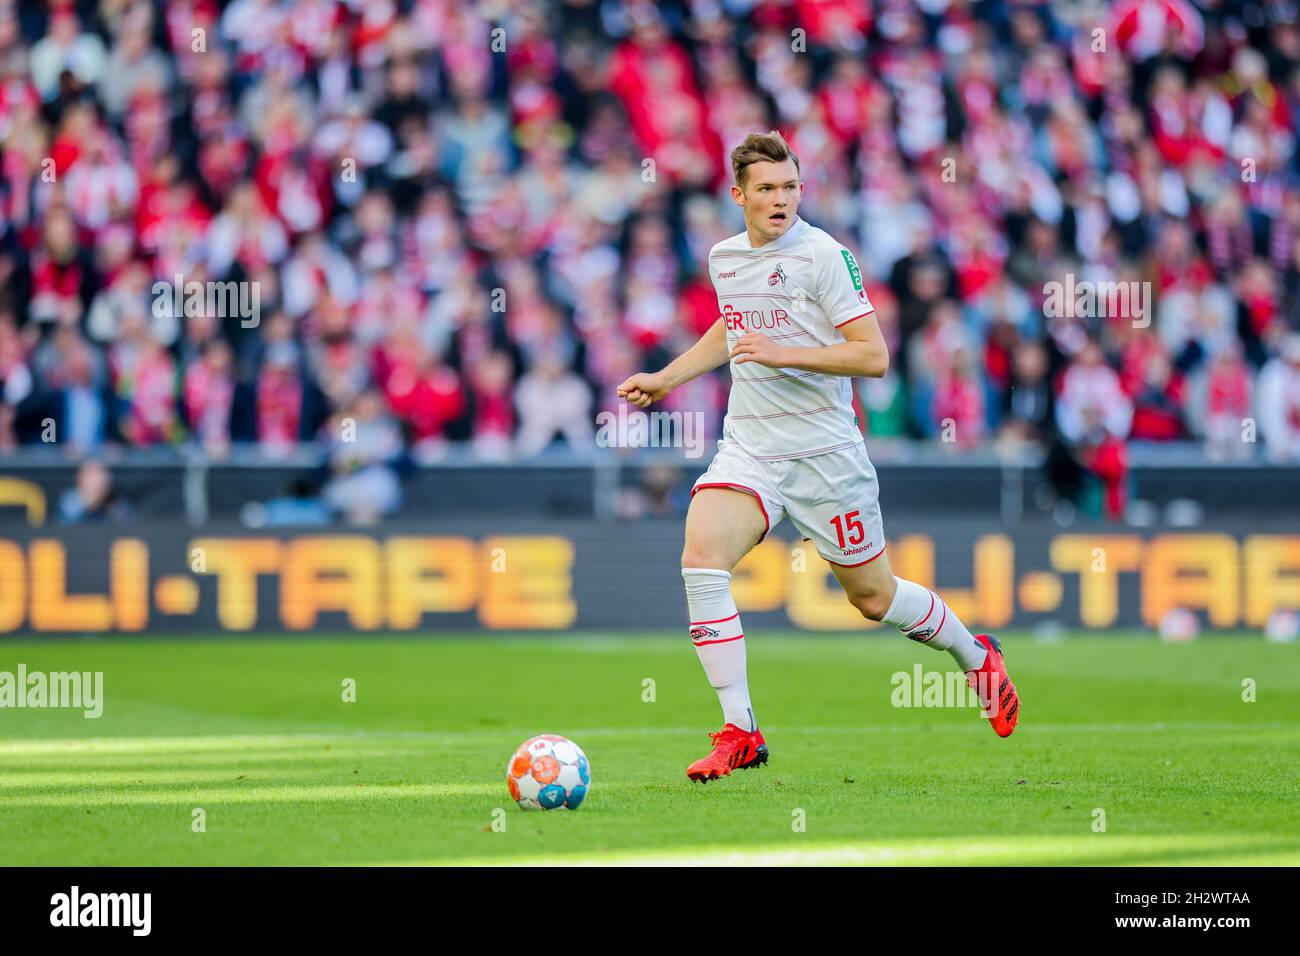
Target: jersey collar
{"points": [[796, 226]]}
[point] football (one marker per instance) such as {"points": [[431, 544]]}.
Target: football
{"points": [[549, 772]]}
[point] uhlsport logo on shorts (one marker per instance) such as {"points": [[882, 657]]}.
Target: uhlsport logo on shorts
{"points": [[56, 689]]}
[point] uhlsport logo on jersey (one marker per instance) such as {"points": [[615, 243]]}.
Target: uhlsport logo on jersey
{"points": [[855, 274], [777, 277]]}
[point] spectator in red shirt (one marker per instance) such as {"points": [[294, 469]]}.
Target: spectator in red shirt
{"points": [[1158, 402], [426, 396], [145, 382], [62, 275], [279, 388], [958, 406], [492, 400], [209, 392], [1224, 405]]}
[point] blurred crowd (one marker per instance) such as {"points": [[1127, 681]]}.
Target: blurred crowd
{"points": [[468, 221]]}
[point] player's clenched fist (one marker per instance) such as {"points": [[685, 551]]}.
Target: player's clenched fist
{"points": [[643, 388], [757, 347]]}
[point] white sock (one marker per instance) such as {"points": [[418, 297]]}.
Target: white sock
{"points": [[720, 641], [921, 615]]}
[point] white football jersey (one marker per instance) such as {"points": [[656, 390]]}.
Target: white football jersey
{"points": [[799, 291]]}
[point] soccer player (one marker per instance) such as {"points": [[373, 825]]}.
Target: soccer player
{"points": [[796, 325]]}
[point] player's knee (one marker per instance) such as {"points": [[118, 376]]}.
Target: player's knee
{"points": [[697, 557], [873, 604]]}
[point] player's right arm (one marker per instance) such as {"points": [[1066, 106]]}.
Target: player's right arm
{"points": [[708, 353]]}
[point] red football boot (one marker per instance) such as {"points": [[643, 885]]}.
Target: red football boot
{"points": [[733, 749], [993, 685]]}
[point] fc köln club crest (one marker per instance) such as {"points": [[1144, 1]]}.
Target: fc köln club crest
{"points": [[777, 277]]}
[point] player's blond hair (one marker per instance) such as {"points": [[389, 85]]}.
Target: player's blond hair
{"points": [[769, 147]]}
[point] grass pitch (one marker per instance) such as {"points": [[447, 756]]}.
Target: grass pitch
{"points": [[256, 734]]}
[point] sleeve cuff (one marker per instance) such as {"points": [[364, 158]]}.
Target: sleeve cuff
{"points": [[854, 319]]}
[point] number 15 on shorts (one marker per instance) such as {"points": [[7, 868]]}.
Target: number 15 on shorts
{"points": [[857, 533]]}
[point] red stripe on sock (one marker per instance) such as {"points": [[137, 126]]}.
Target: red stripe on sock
{"points": [[927, 614], [722, 640]]}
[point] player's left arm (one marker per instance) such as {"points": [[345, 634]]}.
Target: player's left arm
{"points": [[863, 353], [841, 295]]}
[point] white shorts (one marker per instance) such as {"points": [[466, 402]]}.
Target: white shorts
{"points": [[832, 499]]}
